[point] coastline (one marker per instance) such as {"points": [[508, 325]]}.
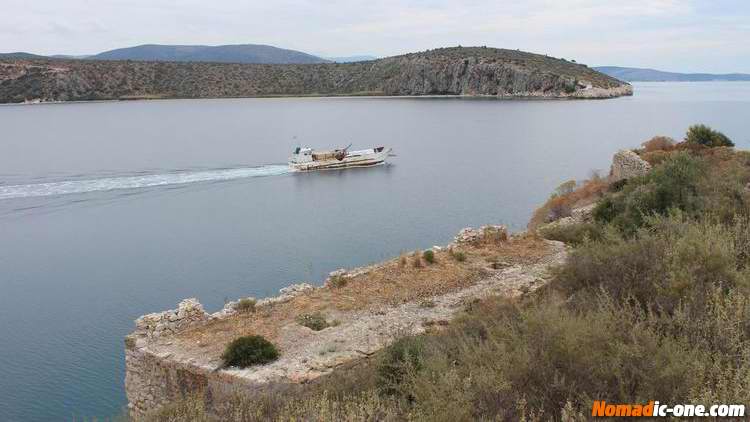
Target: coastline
{"points": [[626, 90]]}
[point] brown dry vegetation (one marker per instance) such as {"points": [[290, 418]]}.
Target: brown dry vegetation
{"points": [[566, 198], [386, 284]]}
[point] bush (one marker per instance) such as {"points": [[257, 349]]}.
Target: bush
{"points": [[658, 143], [672, 261], [655, 157], [704, 135], [457, 255], [315, 321], [338, 281], [246, 305], [672, 185], [248, 351], [429, 256], [565, 188], [397, 362]]}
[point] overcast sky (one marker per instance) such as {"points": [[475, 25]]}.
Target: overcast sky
{"points": [[709, 35]]}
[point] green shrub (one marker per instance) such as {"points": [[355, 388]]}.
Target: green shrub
{"points": [[397, 362], [246, 305], [429, 256], [338, 281], [565, 188], [248, 351], [672, 185], [316, 321], [704, 135], [674, 259], [457, 255], [427, 303], [655, 157]]}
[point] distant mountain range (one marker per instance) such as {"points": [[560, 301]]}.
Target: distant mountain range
{"points": [[21, 55], [351, 59], [241, 53], [634, 74]]}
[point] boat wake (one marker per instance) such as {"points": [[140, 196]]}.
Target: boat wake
{"points": [[179, 177]]}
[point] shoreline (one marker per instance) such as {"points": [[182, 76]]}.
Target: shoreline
{"points": [[334, 96]]}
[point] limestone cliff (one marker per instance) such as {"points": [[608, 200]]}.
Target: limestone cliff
{"points": [[446, 71]]}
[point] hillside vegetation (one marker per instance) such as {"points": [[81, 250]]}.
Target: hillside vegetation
{"points": [[653, 304], [447, 71]]}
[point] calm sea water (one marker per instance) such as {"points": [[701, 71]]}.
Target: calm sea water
{"points": [[112, 210]]}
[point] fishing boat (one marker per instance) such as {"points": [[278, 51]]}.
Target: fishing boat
{"points": [[305, 158]]}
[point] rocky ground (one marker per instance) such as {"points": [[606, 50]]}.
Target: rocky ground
{"points": [[367, 309]]}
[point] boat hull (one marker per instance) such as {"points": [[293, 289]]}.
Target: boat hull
{"points": [[366, 160]]}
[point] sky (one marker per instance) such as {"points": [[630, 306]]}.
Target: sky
{"points": [[687, 36]]}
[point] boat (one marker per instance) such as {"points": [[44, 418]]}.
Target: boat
{"points": [[305, 158]]}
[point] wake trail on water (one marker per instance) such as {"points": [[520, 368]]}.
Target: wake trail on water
{"points": [[181, 177]]}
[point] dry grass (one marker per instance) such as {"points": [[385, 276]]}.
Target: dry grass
{"points": [[387, 284], [658, 143], [560, 204]]}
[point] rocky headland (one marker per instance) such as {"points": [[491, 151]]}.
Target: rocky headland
{"points": [[175, 353], [462, 71], [178, 353]]}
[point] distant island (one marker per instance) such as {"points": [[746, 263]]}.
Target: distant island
{"points": [[351, 59], [634, 74], [470, 71], [241, 53], [237, 53]]}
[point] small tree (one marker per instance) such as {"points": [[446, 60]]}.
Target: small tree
{"points": [[248, 351], [704, 135], [429, 256]]}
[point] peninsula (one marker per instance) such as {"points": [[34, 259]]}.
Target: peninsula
{"points": [[643, 270], [464, 71]]}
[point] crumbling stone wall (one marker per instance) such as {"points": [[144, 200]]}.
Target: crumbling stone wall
{"points": [[627, 164]]}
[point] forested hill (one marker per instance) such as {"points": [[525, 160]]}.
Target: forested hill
{"points": [[444, 71]]}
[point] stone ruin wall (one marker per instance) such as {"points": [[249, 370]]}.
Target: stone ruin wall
{"points": [[154, 380]]}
